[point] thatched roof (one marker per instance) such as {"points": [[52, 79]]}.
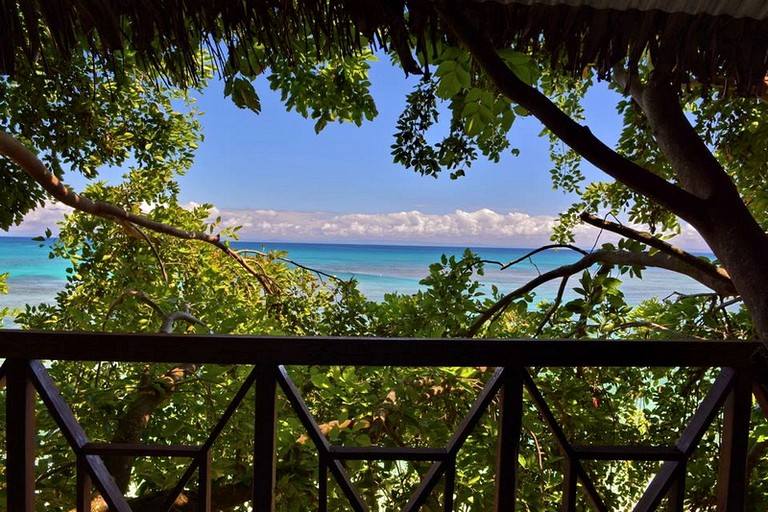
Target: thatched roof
{"points": [[720, 41]]}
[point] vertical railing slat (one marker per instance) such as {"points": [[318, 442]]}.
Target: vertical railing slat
{"points": [[450, 485], [84, 486], [511, 423], [676, 494], [322, 482], [569, 485], [20, 436], [732, 476], [204, 483], [265, 423]]}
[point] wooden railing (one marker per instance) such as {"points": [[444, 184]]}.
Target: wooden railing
{"points": [[24, 376]]}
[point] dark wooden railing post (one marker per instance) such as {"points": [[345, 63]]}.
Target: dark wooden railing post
{"points": [[265, 420], [450, 485], [510, 424], [732, 476], [676, 494], [322, 482], [204, 483], [84, 486], [20, 436]]}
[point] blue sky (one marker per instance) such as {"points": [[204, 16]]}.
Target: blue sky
{"points": [[347, 168], [272, 174]]}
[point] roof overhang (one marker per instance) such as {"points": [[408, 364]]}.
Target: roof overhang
{"points": [[756, 9]]}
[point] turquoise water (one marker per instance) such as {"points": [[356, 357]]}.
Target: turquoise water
{"points": [[379, 269]]}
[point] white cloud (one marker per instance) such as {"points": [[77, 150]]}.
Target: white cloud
{"points": [[484, 227], [38, 220], [460, 227]]}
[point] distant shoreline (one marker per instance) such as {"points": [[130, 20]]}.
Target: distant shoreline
{"points": [[379, 243]]}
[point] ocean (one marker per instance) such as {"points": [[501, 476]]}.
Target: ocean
{"points": [[35, 278]]}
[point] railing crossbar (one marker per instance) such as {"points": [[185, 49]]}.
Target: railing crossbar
{"points": [[387, 453], [212, 437], [730, 395], [576, 469], [688, 441], [76, 437], [466, 426], [319, 440]]}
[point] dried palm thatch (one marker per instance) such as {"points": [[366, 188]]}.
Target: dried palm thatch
{"points": [[711, 41]]}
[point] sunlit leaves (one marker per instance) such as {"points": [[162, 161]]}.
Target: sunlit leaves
{"points": [[333, 90], [453, 71], [411, 147], [479, 119], [523, 65], [243, 94]]}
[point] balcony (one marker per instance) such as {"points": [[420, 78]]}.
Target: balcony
{"points": [[510, 390]]}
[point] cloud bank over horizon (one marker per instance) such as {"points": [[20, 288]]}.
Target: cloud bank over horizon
{"points": [[482, 227]]}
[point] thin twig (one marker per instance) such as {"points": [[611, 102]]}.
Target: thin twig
{"points": [[136, 294], [711, 280], [555, 304], [36, 169], [294, 263], [154, 251], [504, 266]]}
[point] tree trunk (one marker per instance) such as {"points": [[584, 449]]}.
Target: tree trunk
{"points": [[704, 195]]}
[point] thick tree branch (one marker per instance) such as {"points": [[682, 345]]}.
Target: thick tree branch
{"points": [[605, 257], [170, 320], [716, 272], [151, 393], [656, 327], [695, 166], [35, 168], [580, 138]]}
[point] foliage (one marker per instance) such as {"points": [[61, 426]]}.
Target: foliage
{"points": [[4, 312], [480, 117], [122, 279], [84, 119], [359, 406]]}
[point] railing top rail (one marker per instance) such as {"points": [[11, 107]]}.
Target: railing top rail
{"points": [[272, 350]]}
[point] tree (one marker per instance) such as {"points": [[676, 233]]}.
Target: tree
{"points": [[484, 66], [151, 282]]}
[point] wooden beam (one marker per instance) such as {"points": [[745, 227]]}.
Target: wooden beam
{"points": [[688, 441], [266, 350], [84, 487], [575, 468], [20, 437], [212, 437], [732, 475], [468, 423], [319, 440], [264, 439], [510, 425]]}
